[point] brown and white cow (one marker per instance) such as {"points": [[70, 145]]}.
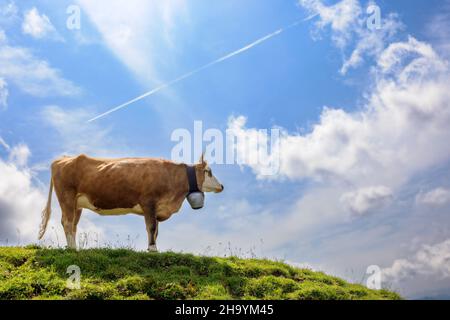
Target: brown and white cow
{"points": [[153, 188]]}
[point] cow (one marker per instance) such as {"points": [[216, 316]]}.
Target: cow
{"points": [[153, 188]]}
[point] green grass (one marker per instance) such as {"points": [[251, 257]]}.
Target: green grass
{"points": [[37, 273]]}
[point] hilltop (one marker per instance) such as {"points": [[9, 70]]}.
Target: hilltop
{"points": [[38, 273]]}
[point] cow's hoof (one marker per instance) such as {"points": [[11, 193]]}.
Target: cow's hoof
{"points": [[152, 248]]}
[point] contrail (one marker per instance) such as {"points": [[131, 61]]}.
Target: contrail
{"points": [[210, 64]]}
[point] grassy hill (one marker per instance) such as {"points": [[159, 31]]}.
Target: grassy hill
{"points": [[36, 273]]}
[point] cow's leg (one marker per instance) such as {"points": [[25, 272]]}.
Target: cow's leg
{"points": [[67, 225], [68, 218], [153, 235], [75, 221], [151, 224]]}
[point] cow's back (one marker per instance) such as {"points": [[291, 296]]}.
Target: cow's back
{"points": [[120, 183]]}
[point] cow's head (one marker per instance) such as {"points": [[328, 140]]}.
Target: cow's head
{"points": [[209, 182]]}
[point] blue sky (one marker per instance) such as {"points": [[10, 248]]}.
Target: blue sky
{"points": [[364, 161]]}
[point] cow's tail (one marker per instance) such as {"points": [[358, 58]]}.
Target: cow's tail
{"points": [[46, 212]]}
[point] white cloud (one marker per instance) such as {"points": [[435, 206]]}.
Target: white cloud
{"points": [[137, 31], [362, 158], [4, 144], [389, 139], [3, 37], [254, 147], [430, 260], [75, 135], [348, 24], [341, 17], [424, 60], [20, 201], [371, 43], [437, 28], [20, 67], [33, 75], [435, 197], [365, 200], [38, 25], [8, 13], [19, 155], [3, 94]]}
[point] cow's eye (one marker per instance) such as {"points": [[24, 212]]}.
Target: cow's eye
{"points": [[209, 172]]}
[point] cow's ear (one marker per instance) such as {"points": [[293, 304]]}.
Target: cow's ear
{"points": [[202, 159]]}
